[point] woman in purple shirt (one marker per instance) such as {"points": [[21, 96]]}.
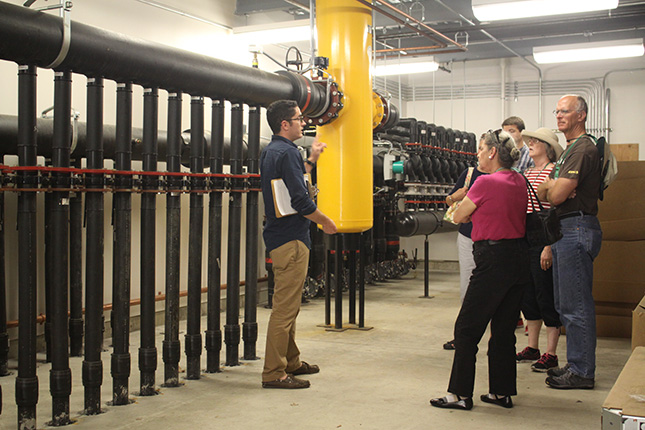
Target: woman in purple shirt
{"points": [[496, 205]]}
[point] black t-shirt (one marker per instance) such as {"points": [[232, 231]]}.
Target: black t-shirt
{"points": [[581, 162]]}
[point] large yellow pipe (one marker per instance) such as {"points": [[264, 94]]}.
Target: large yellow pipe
{"points": [[345, 170]]}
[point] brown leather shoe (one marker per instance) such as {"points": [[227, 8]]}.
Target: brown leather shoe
{"points": [[289, 382], [306, 369]]}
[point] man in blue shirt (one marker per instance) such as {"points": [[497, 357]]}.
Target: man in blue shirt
{"points": [[514, 125], [288, 242]]}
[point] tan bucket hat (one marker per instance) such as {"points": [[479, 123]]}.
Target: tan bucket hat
{"points": [[546, 135]]}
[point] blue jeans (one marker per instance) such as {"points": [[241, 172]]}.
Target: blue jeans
{"points": [[573, 257]]}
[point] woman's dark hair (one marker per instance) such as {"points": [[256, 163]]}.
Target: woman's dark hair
{"points": [[278, 111], [506, 149]]}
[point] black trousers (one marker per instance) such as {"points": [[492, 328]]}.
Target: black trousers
{"points": [[494, 295], [538, 302]]}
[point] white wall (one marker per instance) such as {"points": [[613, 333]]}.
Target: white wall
{"points": [[477, 115]]}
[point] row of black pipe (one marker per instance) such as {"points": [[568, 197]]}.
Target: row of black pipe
{"points": [[30, 38], [58, 248]]}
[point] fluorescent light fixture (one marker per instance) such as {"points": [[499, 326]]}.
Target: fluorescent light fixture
{"points": [[495, 10], [275, 33], [405, 68], [589, 51]]}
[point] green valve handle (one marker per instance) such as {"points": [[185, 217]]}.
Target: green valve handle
{"points": [[397, 167]]}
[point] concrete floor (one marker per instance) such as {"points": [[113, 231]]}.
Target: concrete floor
{"points": [[377, 379]]}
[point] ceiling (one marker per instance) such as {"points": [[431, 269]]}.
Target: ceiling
{"points": [[455, 19]]}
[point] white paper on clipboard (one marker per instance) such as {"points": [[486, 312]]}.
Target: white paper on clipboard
{"points": [[282, 198]]}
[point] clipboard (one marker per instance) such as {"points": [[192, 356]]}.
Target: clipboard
{"points": [[282, 198]]}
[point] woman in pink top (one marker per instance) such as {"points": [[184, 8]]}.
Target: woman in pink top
{"points": [[496, 204], [538, 303]]}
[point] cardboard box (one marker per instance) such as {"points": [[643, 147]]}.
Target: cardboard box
{"points": [[618, 291], [625, 400], [638, 325], [621, 213], [613, 326], [619, 272], [624, 199], [630, 170], [624, 229]]}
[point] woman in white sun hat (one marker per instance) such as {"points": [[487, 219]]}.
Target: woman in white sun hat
{"points": [[538, 302]]}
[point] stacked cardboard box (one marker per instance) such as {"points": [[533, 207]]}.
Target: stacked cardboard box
{"points": [[624, 408], [619, 269]]}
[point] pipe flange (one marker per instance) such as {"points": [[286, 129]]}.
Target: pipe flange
{"points": [[332, 106]]}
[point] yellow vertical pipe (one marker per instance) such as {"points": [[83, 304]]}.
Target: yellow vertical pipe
{"points": [[345, 169]]}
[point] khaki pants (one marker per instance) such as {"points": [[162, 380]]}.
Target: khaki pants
{"points": [[290, 262]]}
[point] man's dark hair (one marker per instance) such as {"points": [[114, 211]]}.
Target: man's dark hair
{"points": [[514, 120], [278, 111]]}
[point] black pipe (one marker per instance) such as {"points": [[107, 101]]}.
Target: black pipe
{"points": [[352, 249], [171, 344], [32, 37], [49, 203], [232, 327], [426, 268], [9, 141], [122, 212], [148, 350], [193, 337], [362, 257], [213, 334], [328, 278], [421, 223], [60, 375], [27, 381], [4, 336], [76, 272], [94, 249], [250, 325], [338, 273]]}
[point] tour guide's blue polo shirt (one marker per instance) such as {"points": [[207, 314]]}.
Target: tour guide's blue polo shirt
{"points": [[281, 159]]}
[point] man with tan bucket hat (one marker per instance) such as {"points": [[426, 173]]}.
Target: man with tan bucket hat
{"points": [[538, 303]]}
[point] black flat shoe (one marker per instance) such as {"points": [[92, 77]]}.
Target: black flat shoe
{"points": [[465, 404], [505, 402]]}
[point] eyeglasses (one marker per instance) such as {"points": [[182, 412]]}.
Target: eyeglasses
{"points": [[300, 118], [557, 112]]}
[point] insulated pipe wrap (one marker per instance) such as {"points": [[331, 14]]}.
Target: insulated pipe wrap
{"points": [[31, 37]]}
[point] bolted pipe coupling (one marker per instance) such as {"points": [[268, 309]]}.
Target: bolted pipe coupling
{"points": [[249, 331], [120, 366], [232, 334], [92, 373], [213, 340], [319, 100], [147, 359], [26, 391], [193, 344], [60, 383], [171, 351], [385, 114]]}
